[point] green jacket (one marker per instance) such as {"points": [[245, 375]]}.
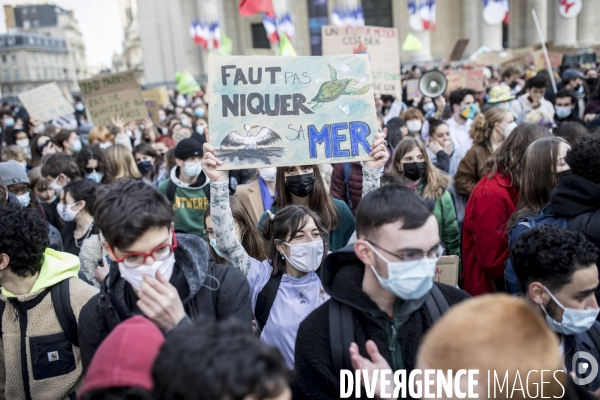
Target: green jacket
{"points": [[446, 217], [340, 236], [189, 206]]}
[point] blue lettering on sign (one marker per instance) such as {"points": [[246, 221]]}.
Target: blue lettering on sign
{"points": [[330, 137]]}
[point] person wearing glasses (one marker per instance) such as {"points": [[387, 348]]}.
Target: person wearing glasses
{"points": [[381, 289], [169, 278]]}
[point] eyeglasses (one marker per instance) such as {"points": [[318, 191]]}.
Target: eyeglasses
{"points": [[415, 254], [211, 232], [159, 253]]}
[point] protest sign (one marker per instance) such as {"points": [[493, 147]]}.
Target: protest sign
{"points": [[458, 50], [412, 89], [446, 270], [540, 61], [381, 44], [577, 59], [46, 102], [154, 99], [112, 96], [456, 79], [277, 111], [465, 78]]}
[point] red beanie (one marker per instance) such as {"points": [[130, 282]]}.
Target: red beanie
{"points": [[125, 357]]}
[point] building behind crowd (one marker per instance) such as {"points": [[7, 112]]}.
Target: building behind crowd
{"points": [[164, 29], [55, 23], [131, 58]]}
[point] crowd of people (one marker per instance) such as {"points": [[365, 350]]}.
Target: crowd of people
{"points": [[132, 267]]}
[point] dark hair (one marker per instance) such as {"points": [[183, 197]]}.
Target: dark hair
{"points": [[129, 208], [387, 179], [508, 158], [433, 125], [583, 157], [36, 157], [94, 153], [62, 137], [82, 190], [117, 393], [570, 131], [319, 199], [60, 163], [550, 254], [389, 204], [284, 226], [511, 70], [564, 94], [538, 82], [457, 96], [394, 134], [148, 150], [217, 360], [24, 238], [251, 242]]}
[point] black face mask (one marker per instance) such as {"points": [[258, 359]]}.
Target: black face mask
{"points": [[144, 167], [300, 185], [513, 84], [561, 175], [414, 170], [592, 82]]}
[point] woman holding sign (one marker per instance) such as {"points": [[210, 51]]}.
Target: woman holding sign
{"points": [[285, 287]]}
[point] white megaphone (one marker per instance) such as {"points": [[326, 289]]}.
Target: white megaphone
{"points": [[433, 83]]}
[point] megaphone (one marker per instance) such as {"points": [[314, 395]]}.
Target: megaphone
{"points": [[433, 83]]}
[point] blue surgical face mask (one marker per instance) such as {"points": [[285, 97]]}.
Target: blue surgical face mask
{"points": [[192, 169], [24, 199], [213, 244], [563, 112], [79, 107], [76, 146], [409, 280], [199, 112], [95, 176], [9, 121], [573, 321]]}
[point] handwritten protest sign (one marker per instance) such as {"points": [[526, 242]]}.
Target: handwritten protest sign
{"points": [[456, 79], [111, 96], [154, 99], [540, 60], [381, 44], [290, 110], [46, 102], [412, 89], [446, 270], [466, 78]]}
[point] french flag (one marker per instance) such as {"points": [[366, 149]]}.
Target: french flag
{"points": [[270, 24], [285, 25], [427, 13]]}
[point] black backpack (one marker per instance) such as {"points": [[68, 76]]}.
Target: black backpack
{"points": [[62, 307]]}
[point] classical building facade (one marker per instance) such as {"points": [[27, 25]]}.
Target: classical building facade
{"points": [[131, 59]]}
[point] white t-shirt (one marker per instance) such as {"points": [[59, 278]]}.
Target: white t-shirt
{"points": [[460, 134]]}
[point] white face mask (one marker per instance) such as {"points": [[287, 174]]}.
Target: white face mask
{"points": [[428, 106], [414, 125], [306, 257], [192, 168], [24, 199], [409, 280], [509, 128], [66, 211], [105, 145], [135, 276], [55, 186], [573, 321], [268, 174], [76, 146], [22, 143]]}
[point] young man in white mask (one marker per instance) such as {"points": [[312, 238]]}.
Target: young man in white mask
{"points": [[187, 188], [168, 277], [381, 289], [557, 274], [258, 195]]}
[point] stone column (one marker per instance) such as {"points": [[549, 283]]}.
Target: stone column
{"points": [[541, 9], [425, 53], [565, 30], [471, 17], [492, 36], [586, 23]]}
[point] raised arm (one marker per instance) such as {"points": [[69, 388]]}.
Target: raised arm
{"points": [[372, 169]]}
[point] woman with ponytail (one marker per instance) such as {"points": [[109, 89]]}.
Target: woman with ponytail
{"points": [[488, 132]]}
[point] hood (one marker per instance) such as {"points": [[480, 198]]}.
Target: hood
{"points": [[573, 196], [199, 184], [125, 357], [57, 267]]}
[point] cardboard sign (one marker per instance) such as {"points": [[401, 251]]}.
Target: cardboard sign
{"points": [[456, 79], [46, 102], [412, 89], [459, 49], [282, 111], [112, 96], [160, 95], [493, 57], [381, 44], [540, 61], [446, 270], [466, 78]]}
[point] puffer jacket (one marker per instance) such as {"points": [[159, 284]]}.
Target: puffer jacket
{"points": [[38, 360]]}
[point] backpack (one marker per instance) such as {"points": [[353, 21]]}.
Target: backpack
{"points": [[347, 168], [62, 307], [543, 218], [341, 326], [172, 187]]}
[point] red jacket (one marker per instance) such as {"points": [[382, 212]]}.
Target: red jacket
{"points": [[485, 241]]}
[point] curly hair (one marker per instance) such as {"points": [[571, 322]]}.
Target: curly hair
{"points": [[583, 157], [483, 124], [218, 360], [24, 238], [82, 190], [550, 254], [94, 153]]}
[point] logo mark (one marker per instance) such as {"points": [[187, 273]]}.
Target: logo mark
{"points": [[53, 356], [584, 366]]}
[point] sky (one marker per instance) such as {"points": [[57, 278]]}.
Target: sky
{"points": [[99, 23]]}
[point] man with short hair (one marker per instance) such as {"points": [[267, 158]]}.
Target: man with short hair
{"points": [[565, 102], [59, 169], [381, 289], [511, 76], [40, 308], [464, 109], [572, 80], [557, 274], [532, 99], [167, 277], [187, 188]]}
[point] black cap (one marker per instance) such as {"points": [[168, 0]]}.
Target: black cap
{"points": [[188, 148]]}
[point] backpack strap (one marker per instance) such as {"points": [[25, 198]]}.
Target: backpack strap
{"points": [[109, 312], [265, 300], [436, 303], [341, 335], [61, 301], [347, 168], [171, 188]]}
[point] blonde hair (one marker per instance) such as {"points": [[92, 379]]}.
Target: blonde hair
{"points": [[436, 181], [13, 152], [121, 162], [413, 113], [101, 134], [483, 124], [538, 117]]}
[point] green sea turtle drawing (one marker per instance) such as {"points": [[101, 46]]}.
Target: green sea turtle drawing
{"points": [[331, 90]]}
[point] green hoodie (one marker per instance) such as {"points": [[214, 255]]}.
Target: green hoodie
{"points": [[56, 268]]}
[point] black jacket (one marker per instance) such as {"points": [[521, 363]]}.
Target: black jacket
{"points": [[342, 279], [206, 289]]}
